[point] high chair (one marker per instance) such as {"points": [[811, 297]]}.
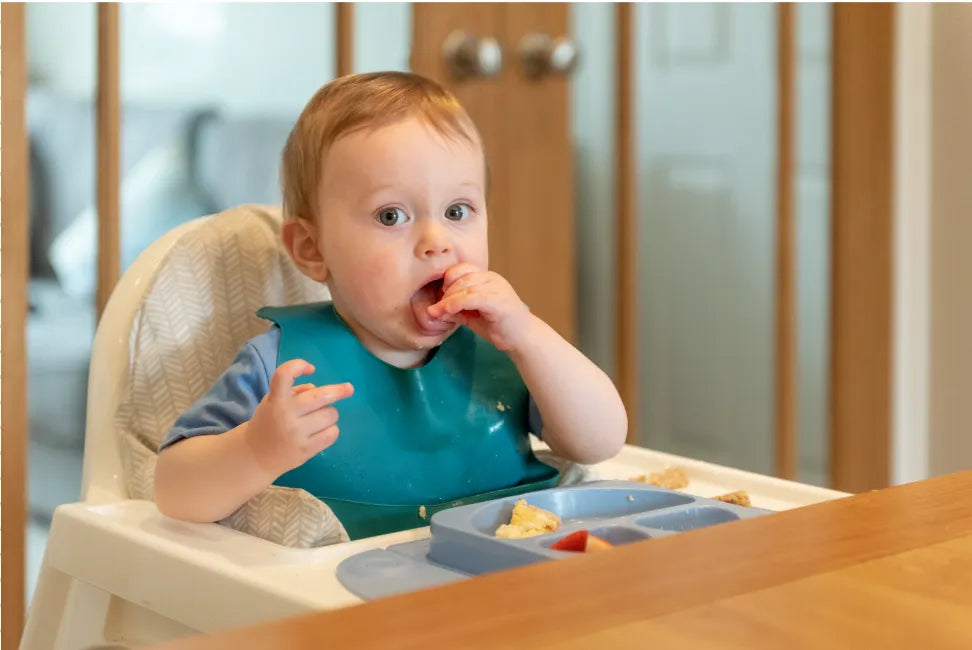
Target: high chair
{"points": [[174, 321], [115, 570]]}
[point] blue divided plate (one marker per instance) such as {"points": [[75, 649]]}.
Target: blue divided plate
{"points": [[463, 541]]}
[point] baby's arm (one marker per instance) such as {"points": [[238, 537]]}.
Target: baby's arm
{"points": [[583, 417], [207, 477]]}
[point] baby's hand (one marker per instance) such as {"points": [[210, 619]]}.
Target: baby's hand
{"points": [[486, 303], [291, 424]]}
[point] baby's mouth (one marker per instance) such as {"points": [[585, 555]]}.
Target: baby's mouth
{"points": [[427, 295]]}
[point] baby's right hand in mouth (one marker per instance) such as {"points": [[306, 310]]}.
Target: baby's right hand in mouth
{"points": [[293, 423]]}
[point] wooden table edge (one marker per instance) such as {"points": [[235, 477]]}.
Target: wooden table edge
{"points": [[542, 603]]}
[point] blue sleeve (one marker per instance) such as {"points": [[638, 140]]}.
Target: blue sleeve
{"points": [[234, 397]]}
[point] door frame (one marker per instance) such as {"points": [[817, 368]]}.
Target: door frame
{"points": [[13, 322], [862, 245]]}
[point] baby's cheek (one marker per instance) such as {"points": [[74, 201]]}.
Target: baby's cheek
{"points": [[476, 253], [382, 281]]}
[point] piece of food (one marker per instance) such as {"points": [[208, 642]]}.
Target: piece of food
{"points": [[575, 542], [671, 478], [595, 543], [528, 521], [422, 512], [674, 478], [739, 498], [581, 542]]}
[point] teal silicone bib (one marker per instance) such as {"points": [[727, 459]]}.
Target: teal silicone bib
{"points": [[415, 440]]}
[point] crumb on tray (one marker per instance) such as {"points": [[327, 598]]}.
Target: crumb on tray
{"points": [[672, 478], [739, 498]]}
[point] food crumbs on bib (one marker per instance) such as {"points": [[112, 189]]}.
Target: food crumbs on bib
{"points": [[500, 407], [630, 498], [422, 512]]}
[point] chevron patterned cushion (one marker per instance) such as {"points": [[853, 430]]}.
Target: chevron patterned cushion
{"points": [[195, 315]]}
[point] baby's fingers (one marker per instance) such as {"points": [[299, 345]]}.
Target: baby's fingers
{"points": [[312, 400], [316, 421], [449, 305], [302, 388], [465, 300], [322, 440], [282, 381], [457, 271]]}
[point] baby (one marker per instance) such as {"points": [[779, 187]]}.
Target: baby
{"points": [[437, 369]]}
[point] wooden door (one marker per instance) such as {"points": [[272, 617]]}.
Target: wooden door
{"points": [[524, 122]]}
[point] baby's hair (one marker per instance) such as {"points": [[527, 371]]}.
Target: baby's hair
{"points": [[354, 102]]}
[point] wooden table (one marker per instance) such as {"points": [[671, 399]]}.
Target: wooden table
{"points": [[884, 569]]}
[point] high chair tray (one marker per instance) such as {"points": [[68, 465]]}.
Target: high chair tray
{"points": [[463, 540]]}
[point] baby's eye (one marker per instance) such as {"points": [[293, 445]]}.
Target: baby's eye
{"points": [[391, 217], [458, 212]]}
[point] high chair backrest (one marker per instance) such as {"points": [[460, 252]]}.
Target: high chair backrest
{"points": [[173, 324]]}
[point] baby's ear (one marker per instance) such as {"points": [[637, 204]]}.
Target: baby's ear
{"points": [[300, 239]]}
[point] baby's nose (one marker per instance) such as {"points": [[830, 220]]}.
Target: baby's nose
{"points": [[438, 248], [434, 242]]}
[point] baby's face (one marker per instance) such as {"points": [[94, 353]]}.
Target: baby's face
{"points": [[398, 206]]}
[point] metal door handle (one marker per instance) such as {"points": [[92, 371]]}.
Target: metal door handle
{"points": [[542, 55], [472, 56]]}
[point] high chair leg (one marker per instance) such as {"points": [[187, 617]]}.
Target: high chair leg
{"points": [[85, 618], [82, 616], [46, 609]]}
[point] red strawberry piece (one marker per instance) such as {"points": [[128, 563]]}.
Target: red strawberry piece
{"points": [[575, 542]]}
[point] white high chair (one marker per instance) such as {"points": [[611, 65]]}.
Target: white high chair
{"points": [[115, 570], [107, 573]]}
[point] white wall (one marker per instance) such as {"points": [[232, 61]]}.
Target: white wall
{"points": [[933, 351], [912, 243], [951, 240]]}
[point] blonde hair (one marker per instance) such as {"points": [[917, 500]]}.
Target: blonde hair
{"points": [[354, 102]]}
